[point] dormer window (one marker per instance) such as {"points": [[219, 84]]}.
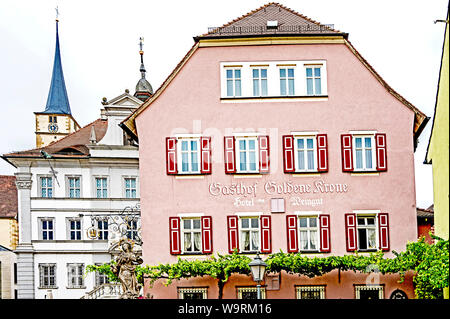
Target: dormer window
{"points": [[272, 24]]}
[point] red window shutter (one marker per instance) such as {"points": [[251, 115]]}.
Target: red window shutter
{"points": [[324, 221], [383, 229], [175, 234], [322, 153], [266, 234], [171, 155], [205, 143], [350, 232], [347, 152], [207, 234], [288, 153], [264, 154], [380, 143], [291, 230], [230, 163], [233, 236]]}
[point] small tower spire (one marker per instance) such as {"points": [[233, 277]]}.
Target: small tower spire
{"points": [[57, 101], [143, 88]]}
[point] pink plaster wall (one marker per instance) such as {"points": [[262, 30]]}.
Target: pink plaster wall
{"points": [[357, 101]]}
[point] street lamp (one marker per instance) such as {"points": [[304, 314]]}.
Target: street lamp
{"points": [[258, 268]]}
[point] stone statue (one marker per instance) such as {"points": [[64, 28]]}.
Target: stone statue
{"points": [[125, 270]]}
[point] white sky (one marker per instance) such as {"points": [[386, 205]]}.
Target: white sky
{"points": [[99, 49]]}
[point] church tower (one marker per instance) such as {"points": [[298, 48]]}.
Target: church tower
{"points": [[56, 121]]}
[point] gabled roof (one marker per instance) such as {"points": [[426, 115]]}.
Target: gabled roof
{"points": [[8, 196], [260, 17], [57, 101], [72, 145], [283, 21]]}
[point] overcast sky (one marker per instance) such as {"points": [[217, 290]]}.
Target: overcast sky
{"points": [[99, 49]]}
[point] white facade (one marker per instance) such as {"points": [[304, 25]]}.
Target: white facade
{"points": [[54, 248]]}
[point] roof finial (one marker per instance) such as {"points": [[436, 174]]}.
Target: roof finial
{"points": [[143, 88], [57, 13]]}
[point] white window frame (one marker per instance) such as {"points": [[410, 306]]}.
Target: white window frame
{"points": [[313, 77], [247, 154], [308, 230], [312, 136], [233, 79], [40, 188], [240, 290], [101, 229], [359, 288], [287, 78], [75, 230], [100, 278], [191, 231], [49, 277], [251, 230], [314, 288], [373, 227], [373, 149], [259, 80], [125, 188], [42, 230], [78, 268], [180, 152], [101, 188], [185, 290], [68, 187]]}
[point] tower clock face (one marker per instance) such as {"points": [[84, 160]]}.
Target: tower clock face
{"points": [[53, 127]]}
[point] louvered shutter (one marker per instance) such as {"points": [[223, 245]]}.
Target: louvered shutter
{"points": [[347, 152], [322, 152], [264, 154], [291, 230], [350, 232], [207, 234], [171, 155], [380, 143], [266, 235], [233, 241], [229, 156], [175, 234], [288, 154], [205, 144], [324, 221], [383, 231]]}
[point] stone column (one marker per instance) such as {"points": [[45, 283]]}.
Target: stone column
{"points": [[24, 251]]}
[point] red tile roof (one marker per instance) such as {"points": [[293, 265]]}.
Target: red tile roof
{"points": [[72, 145], [8, 196], [254, 23]]}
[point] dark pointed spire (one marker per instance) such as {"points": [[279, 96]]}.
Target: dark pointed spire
{"points": [[57, 101], [143, 88]]}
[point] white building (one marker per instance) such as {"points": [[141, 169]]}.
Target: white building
{"points": [[77, 182]]}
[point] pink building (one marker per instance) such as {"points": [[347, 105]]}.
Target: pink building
{"points": [[272, 133]]}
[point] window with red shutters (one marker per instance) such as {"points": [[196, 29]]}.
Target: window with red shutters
{"points": [[288, 154], [174, 235], [380, 145], [322, 152], [229, 155], [205, 145], [347, 152], [233, 234], [350, 232], [324, 228], [383, 231], [171, 155], [266, 234], [291, 230], [207, 234], [264, 154]]}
